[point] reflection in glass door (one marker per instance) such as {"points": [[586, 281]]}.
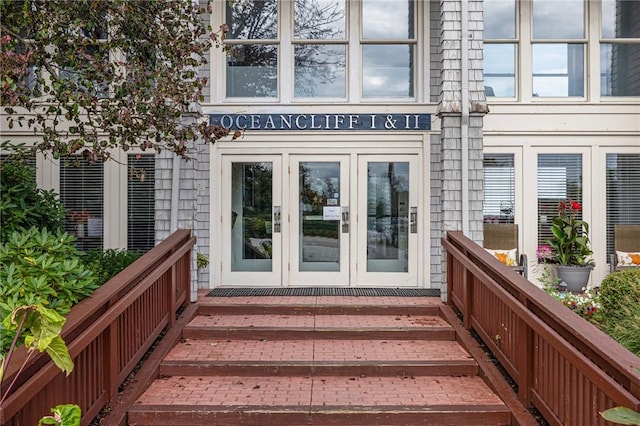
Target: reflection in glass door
{"points": [[389, 202], [387, 216], [321, 247], [251, 221]]}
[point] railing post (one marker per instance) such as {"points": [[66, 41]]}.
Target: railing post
{"points": [[467, 294], [525, 354], [449, 278], [112, 360], [173, 285]]}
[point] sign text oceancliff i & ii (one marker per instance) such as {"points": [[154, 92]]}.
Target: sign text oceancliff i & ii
{"points": [[363, 122]]}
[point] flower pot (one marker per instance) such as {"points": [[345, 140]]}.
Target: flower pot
{"points": [[575, 277]]}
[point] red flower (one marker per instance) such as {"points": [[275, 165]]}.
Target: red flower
{"points": [[576, 206]]}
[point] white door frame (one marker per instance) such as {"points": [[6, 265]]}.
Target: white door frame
{"points": [[317, 148]]}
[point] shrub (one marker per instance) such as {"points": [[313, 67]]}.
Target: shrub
{"points": [[22, 203], [618, 290], [105, 264], [38, 267], [619, 316]]}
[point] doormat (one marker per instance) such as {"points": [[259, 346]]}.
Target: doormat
{"points": [[323, 291]]}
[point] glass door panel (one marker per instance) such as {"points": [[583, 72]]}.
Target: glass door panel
{"points": [[250, 219], [388, 206], [387, 216], [320, 234]]}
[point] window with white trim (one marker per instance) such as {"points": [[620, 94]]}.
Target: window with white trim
{"points": [[623, 193], [499, 188], [140, 201], [559, 179], [311, 50], [548, 46], [500, 47], [620, 48], [82, 194]]}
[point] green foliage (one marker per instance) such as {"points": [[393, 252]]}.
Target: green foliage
{"points": [[619, 316], [40, 329], [622, 415], [202, 261], [139, 101], [22, 203], [106, 264], [570, 242], [63, 415], [38, 267]]}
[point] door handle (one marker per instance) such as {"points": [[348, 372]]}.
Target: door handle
{"points": [[345, 219], [276, 219], [413, 220]]}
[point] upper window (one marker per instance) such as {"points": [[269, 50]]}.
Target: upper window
{"points": [[620, 48], [558, 48], [539, 48], [500, 47], [303, 50]]}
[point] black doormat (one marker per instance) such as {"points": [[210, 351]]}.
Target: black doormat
{"points": [[323, 291]]}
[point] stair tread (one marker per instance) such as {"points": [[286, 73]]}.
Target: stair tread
{"points": [[317, 351], [329, 391], [361, 322]]}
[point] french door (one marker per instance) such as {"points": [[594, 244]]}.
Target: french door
{"points": [[320, 220]]}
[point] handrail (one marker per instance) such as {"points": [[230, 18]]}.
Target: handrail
{"points": [[545, 348], [107, 334]]}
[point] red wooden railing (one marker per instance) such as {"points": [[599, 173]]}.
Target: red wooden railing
{"points": [[562, 365], [107, 335]]}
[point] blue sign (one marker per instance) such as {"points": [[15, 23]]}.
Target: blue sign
{"points": [[324, 122]]}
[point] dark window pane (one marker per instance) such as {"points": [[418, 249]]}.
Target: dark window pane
{"points": [[620, 69], [140, 202], [252, 19]]}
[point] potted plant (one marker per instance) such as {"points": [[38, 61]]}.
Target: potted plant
{"points": [[570, 250]]}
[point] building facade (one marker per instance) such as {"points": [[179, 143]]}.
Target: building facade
{"points": [[372, 127]]}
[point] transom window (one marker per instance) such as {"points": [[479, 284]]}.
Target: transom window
{"points": [[316, 50]]}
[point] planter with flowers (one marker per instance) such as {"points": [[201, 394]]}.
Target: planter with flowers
{"points": [[570, 251]]}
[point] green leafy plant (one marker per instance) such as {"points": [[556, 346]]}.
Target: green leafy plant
{"points": [[106, 264], [22, 203], [622, 415], [570, 242], [63, 415], [138, 103], [39, 328], [202, 261], [38, 267], [619, 316]]}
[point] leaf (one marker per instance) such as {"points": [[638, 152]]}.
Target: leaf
{"points": [[59, 354], [622, 415], [63, 415]]}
